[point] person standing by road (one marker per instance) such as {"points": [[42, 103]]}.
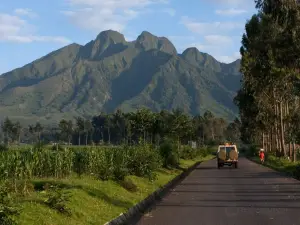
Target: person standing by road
{"points": [[262, 155]]}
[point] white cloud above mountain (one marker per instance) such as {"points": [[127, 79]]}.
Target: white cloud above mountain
{"points": [[214, 27], [97, 15], [25, 12], [230, 12], [13, 28]]}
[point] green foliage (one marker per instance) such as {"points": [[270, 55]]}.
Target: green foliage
{"points": [[252, 150], [3, 148], [57, 147], [268, 100], [187, 152], [129, 185], [169, 154], [8, 208], [57, 199], [282, 164]]}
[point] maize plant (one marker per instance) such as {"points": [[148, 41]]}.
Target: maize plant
{"points": [[20, 166]]}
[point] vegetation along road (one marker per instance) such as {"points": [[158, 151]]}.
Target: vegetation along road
{"points": [[252, 194]]}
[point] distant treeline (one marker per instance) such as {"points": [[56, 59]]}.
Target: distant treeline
{"points": [[126, 128]]}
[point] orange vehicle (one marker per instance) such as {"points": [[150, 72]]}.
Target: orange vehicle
{"points": [[227, 155]]}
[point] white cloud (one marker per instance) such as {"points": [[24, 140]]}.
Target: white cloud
{"points": [[15, 29], [203, 47], [228, 59], [230, 12], [216, 52], [170, 11], [232, 2], [209, 27], [181, 38], [107, 14], [218, 40], [25, 12]]}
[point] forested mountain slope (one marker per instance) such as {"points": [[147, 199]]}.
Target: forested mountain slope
{"points": [[109, 73]]}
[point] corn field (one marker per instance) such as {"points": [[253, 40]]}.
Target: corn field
{"points": [[23, 165], [103, 163]]}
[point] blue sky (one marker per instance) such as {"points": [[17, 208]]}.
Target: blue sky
{"points": [[29, 29]]}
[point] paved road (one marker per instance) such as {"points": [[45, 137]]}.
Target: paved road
{"points": [[251, 194]]}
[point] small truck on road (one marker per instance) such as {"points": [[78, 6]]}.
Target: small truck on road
{"points": [[227, 155]]}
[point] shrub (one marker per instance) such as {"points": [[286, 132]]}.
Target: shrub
{"points": [[102, 165], [129, 185], [187, 152], [119, 163], [168, 152], [3, 148], [7, 207], [57, 199], [143, 160], [252, 151], [296, 172]]}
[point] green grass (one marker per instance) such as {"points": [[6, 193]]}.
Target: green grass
{"points": [[93, 201], [280, 164]]}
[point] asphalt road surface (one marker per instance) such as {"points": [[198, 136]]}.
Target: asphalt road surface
{"points": [[251, 194]]}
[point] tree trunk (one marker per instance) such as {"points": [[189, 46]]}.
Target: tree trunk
{"points": [[290, 151], [294, 152], [263, 140], [282, 141], [86, 138], [78, 138], [108, 132], [178, 149], [39, 137]]}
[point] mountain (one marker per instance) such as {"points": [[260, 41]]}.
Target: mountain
{"points": [[110, 73]]}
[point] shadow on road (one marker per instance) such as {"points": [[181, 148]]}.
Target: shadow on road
{"points": [[257, 192], [227, 206], [229, 184]]}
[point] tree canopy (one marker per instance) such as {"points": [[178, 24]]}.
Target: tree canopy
{"points": [[269, 96]]}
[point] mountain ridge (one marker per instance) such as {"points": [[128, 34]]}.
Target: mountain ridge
{"points": [[109, 73]]}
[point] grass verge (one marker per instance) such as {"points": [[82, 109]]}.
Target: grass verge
{"points": [[282, 165], [93, 201]]}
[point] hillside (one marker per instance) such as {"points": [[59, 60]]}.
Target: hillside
{"points": [[109, 73]]}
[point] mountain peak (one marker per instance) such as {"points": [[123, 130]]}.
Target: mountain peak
{"points": [[146, 34], [111, 36], [193, 55], [147, 41], [191, 49], [197, 58]]}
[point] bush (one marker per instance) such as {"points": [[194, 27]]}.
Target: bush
{"points": [[252, 151], [187, 152], [57, 199], [7, 207], [296, 172], [3, 148], [120, 164], [129, 185], [168, 152], [143, 160]]}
